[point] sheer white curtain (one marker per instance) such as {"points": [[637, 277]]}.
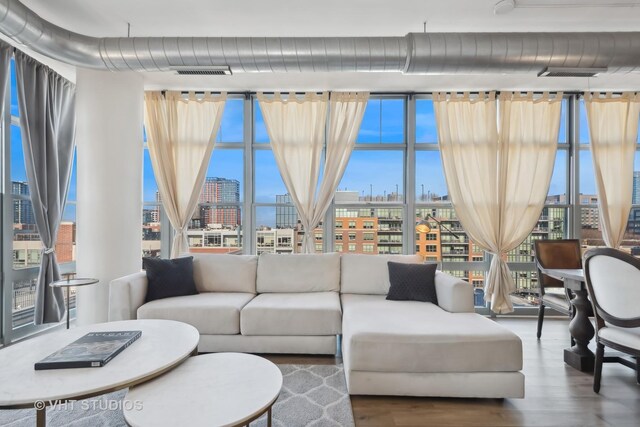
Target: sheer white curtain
{"points": [[296, 130], [181, 133], [613, 125], [498, 178]]}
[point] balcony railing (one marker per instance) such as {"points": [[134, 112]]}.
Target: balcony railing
{"points": [[24, 299]]}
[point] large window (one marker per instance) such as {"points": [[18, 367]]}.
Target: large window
{"points": [[444, 240], [277, 228], [152, 211], [370, 200], [216, 224], [394, 181], [590, 231]]}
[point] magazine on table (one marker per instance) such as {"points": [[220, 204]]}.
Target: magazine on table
{"points": [[93, 350]]}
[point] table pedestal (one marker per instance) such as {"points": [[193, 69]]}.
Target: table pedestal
{"points": [[579, 356], [41, 417]]}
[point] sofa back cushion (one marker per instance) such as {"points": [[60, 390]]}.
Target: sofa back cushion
{"points": [[369, 274], [298, 273], [225, 273]]}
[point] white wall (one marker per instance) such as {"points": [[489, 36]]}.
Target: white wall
{"points": [[109, 108]]}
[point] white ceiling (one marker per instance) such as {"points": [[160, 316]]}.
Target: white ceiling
{"points": [[109, 18]]}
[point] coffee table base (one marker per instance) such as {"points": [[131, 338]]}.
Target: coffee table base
{"points": [[269, 418], [41, 417]]}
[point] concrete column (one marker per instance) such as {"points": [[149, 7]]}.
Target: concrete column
{"points": [[109, 110]]}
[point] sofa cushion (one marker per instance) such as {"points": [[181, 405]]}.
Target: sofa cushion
{"points": [[409, 336], [412, 282], [298, 273], [369, 274], [309, 313], [225, 273], [210, 313], [168, 277]]}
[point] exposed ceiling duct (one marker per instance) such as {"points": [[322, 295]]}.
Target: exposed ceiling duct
{"points": [[415, 53]]}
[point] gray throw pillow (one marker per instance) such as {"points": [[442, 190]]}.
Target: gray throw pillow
{"points": [[169, 277], [412, 282]]}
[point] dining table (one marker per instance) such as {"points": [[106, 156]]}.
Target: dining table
{"points": [[579, 356]]}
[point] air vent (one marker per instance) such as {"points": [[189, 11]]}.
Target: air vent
{"points": [[202, 71], [571, 72]]}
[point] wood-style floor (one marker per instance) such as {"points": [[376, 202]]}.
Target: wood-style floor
{"points": [[556, 394]]}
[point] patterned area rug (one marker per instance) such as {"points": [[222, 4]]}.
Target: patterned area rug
{"points": [[312, 395]]}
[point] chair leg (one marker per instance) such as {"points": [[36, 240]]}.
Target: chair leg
{"points": [[638, 370], [597, 372], [540, 319]]}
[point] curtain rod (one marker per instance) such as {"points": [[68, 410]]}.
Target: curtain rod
{"points": [[537, 92]]}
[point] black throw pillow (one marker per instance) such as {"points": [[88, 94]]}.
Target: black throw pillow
{"points": [[169, 277], [412, 282]]}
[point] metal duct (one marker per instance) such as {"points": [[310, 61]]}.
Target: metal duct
{"points": [[416, 53]]}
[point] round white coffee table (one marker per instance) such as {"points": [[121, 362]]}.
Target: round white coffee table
{"points": [[164, 344], [221, 389]]}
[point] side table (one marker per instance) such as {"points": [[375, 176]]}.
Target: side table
{"points": [[69, 283]]}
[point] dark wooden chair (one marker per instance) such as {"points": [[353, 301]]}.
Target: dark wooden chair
{"points": [[561, 254], [613, 282]]}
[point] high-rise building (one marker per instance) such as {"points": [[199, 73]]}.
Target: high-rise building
{"points": [[635, 199], [633, 226], [286, 216], [22, 208], [149, 215], [589, 216], [220, 191]]}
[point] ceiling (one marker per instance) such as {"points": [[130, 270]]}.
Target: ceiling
{"points": [[109, 18]]}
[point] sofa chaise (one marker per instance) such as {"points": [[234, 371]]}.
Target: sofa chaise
{"points": [[412, 348], [301, 303]]}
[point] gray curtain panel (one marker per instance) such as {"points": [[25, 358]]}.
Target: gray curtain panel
{"points": [[5, 60], [47, 119]]}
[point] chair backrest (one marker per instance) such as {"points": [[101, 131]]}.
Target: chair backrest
{"points": [[563, 254], [613, 281]]}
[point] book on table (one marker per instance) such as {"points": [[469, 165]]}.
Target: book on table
{"points": [[93, 350]]}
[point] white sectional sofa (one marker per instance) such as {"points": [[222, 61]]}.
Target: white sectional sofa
{"points": [[411, 348], [301, 303]]}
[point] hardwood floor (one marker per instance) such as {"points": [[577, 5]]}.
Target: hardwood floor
{"points": [[556, 394]]}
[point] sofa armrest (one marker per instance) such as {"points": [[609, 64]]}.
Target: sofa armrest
{"points": [[126, 295], [454, 295]]}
